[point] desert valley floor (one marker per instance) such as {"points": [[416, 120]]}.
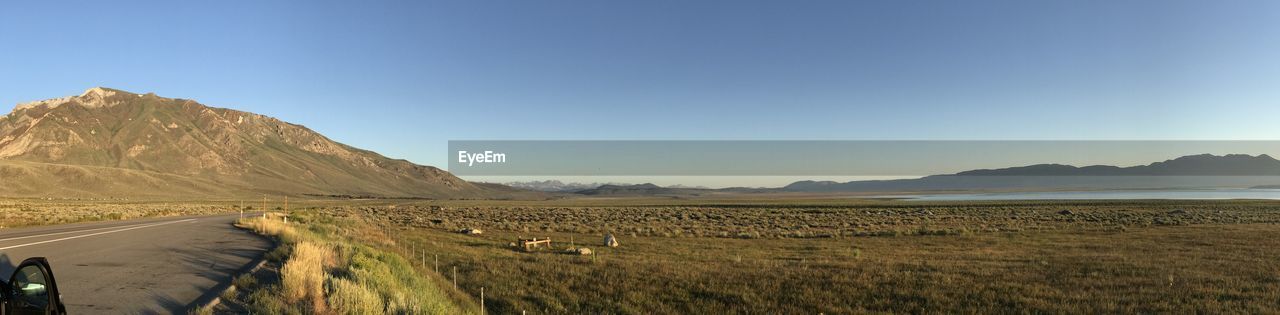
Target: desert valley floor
{"points": [[794, 255]]}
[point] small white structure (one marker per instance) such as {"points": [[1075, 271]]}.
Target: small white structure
{"points": [[610, 241]]}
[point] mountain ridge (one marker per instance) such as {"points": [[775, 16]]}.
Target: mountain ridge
{"points": [[109, 131], [1190, 165], [1201, 170]]}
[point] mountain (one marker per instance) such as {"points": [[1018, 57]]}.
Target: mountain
{"points": [[554, 185], [1191, 165], [646, 189], [559, 186], [112, 143], [1193, 171], [638, 189]]}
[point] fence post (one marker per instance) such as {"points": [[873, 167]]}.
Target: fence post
{"points": [[481, 300], [455, 277]]}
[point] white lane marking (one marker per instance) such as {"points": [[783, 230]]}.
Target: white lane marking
{"points": [[69, 232], [94, 234]]}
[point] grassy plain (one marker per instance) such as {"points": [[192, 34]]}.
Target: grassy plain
{"points": [[855, 256], [32, 212], [783, 256]]}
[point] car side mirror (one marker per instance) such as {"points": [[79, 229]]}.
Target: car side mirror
{"points": [[33, 289]]}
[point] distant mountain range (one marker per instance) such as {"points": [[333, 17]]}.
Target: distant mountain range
{"points": [[555, 185], [112, 143], [639, 189], [1204, 170], [1194, 171], [588, 188], [649, 189], [1191, 165]]}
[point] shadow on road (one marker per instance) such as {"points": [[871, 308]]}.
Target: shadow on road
{"points": [[170, 305], [218, 263]]}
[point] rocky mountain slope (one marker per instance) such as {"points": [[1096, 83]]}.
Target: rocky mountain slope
{"points": [[110, 143]]}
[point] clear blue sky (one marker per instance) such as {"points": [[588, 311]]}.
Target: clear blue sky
{"points": [[402, 78]]}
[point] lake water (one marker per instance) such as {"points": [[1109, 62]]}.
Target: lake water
{"points": [[1189, 194]]}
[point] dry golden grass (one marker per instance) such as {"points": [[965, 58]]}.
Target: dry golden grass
{"points": [[1006, 257], [1184, 269], [270, 225], [30, 212], [347, 297], [303, 274], [327, 272]]}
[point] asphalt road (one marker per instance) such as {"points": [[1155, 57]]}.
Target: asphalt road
{"points": [[155, 265]]}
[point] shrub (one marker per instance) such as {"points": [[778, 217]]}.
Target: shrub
{"points": [[303, 274], [272, 227], [264, 301], [229, 293], [347, 297], [279, 254], [328, 269], [245, 281]]}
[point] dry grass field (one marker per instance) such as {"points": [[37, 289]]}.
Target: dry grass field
{"points": [[824, 219], [747, 256], [1207, 269], [30, 212], [856, 257]]}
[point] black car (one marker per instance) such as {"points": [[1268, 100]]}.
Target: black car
{"points": [[31, 290]]}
